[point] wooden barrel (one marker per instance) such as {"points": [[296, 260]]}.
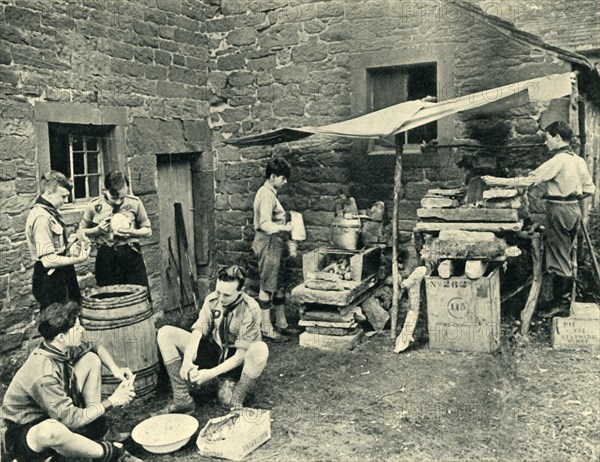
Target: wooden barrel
{"points": [[119, 317]]}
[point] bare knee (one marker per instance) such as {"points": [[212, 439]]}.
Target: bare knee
{"points": [[165, 334], [47, 434], [89, 362], [258, 353]]}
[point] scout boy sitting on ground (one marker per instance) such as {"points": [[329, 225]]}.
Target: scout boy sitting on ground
{"points": [[53, 404], [225, 341]]}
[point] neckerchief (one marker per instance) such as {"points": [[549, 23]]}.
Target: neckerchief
{"points": [[48, 207], [70, 384], [115, 208], [224, 327]]}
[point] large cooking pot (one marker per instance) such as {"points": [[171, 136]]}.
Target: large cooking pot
{"points": [[345, 232]]}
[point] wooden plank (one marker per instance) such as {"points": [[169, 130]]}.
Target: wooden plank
{"points": [[494, 227], [470, 214]]}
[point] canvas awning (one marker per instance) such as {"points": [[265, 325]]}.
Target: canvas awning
{"points": [[411, 114]]}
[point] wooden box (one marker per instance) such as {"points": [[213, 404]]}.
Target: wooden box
{"points": [[580, 330], [464, 314], [363, 263]]}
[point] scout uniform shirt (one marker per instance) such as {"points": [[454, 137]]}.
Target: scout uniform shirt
{"points": [[243, 321], [45, 231], [99, 209], [267, 207], [565, 174], [44, 388]]}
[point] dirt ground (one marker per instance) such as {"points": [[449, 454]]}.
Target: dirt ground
{"points": [[526, 402]]}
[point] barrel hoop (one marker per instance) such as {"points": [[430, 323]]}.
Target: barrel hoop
{"points": [[108, 324], [132, 292], [141, 373]]}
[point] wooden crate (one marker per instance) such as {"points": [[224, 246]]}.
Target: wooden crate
{"points": [[580, 330], [363, 263], [464, 314]]}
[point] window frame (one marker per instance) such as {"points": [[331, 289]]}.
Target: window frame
{"points": [[80, 114], [441, 55]]}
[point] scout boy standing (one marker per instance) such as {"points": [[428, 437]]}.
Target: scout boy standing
{"points": [[116, 221], [54, 277], [270, 225], [568, 185]]}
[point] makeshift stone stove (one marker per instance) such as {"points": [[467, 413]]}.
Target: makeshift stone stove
{"points": [[458, 237], [336, 283]]}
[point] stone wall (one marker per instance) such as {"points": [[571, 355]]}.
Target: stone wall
{"points": [[280, 63], [189, 70], [148, 57]]}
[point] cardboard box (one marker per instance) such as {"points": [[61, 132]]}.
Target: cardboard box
{"points": [[580, 330], [464, 314], [234, 436]]}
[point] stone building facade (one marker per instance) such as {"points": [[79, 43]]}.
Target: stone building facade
{"points": [[162, 84]]}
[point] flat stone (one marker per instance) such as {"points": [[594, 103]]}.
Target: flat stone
{"points": [[431, 202], [334, 331], [470, 214], [493, 227], [500, 193], [330, 342], [511, 203]]}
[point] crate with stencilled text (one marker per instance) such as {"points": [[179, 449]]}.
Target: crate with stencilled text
{"points": [[580, 330], [464, 314], [351, 265]]}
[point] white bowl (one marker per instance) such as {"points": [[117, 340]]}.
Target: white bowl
{"points": [[165, 433]]}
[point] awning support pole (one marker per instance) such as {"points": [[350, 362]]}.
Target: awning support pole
{"points": [[395, 273]]}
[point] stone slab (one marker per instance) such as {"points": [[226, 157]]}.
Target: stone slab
{"points": [[334, 331], [500, 193], [437, 202], [446, 192], [339, 325], [512, 203], [470, 214], [468, 226], [302, 294], [580, 330], [330, 342]]}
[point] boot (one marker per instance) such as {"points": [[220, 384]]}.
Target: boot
{"points": [[267, 329], [241, 390], [281, 321], [561, 302], [182, 402]]}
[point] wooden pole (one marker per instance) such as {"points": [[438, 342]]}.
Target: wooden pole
{"points": [[395, 274], [534, 292]]}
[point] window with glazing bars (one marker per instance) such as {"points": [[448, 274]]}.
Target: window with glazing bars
{"points": [[82, 153]]}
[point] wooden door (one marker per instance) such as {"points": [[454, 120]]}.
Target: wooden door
{"points": [[175, 186]]}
